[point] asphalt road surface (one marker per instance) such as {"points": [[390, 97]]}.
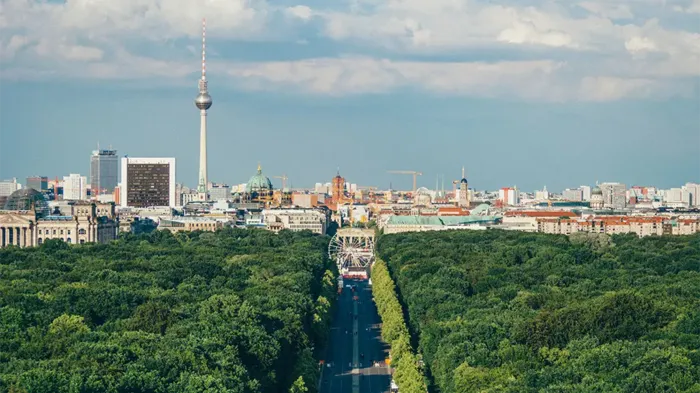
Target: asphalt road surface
{"points": [[356, 353]]}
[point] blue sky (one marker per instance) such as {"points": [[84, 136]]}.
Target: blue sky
{"points": [[525, 93]]}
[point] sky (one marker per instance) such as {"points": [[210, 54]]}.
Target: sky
{"points": [[526, 93]]}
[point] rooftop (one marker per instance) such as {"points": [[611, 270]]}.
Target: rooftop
{"points": [[440, 220]]}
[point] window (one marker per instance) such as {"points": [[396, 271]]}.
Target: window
{"points": [[61, 231], [40, 241], [69, 231], [81, 231], [82, 241], [54, 231]]}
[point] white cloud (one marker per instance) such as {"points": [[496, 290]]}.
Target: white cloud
{"points": [[15, 43], [692, 8], [531, 80], [566, 53], [639, 44], [607, 10], [527, 33], [300, 11], [71, 52]]}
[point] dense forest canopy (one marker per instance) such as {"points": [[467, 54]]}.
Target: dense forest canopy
{"points": [[496, 311], [232, 311]]}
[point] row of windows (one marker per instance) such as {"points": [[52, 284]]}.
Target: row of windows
{"points": [[68, 240], [60, 232]]}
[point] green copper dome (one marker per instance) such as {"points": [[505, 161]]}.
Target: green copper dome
{"points": [[259, 182]]}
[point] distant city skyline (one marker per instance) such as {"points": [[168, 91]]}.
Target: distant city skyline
{"points": [[522, 94]]}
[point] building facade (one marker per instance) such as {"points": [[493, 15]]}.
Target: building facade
{"points": [[89, 222], [295, 220], [7, 187], [104, 171], [74, 187], [148, 182], [39, 183], [614, 195]]}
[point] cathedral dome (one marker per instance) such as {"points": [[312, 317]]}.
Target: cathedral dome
{"points": [[28, 199], [596, 191], [259, 182], [464, 180]]}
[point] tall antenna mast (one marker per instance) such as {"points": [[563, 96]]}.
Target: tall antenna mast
{"points": [[204, 49], [203, 102]]}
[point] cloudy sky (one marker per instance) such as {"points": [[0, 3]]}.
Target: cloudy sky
{"points": [[527, 93]]}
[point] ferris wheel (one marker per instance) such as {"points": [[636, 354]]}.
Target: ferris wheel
{"points": [[351, 249]]}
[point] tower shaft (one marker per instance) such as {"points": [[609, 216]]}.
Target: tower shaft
{"points": [[203, 180]]}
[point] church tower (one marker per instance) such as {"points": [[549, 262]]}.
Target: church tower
{"points": [[464, 199]]}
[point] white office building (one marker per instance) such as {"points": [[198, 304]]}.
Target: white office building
{"points": [[148, 182], [7, 187], [295, 220], [575, 195], [677, 197], [694, 191], [74, 187], [586, 191]]}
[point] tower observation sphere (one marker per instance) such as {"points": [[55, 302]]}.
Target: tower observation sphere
{"points": [[203, 101]]}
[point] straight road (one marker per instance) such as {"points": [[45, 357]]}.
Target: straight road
{"points": [[355, 346]]}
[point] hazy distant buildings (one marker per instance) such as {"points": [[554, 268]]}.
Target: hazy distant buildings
{"points": [[39, 183], [694, 193], [104, 171], [509, 196], [574, 195], [74, 187], [219, 191], [677, 197], [7, 187], [586, 193], [614, 195], [148, 182]]}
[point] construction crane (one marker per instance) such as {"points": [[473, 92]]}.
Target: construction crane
{"points": [[414, 173], [284, 180]]}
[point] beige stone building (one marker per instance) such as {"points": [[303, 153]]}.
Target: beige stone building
{"points": [[89, 222]]}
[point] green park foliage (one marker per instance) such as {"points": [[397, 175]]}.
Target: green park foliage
{"points": [[394, 331], [233, 311], [496, 311]]}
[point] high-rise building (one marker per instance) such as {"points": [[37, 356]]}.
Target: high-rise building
{"points": [[39, 183], [586, 191], [104, 171], [7, 187], [203, 102], [509, 196], [575, 195], [677, 197], [147, 182], [614, 195], [74, 187], [694, 191]]}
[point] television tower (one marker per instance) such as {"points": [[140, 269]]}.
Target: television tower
{"points": [[203, 102]]}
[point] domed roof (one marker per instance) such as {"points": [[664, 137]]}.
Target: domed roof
{"points": [[464, 180], [259, 182], [26, 199], [596, 190]]}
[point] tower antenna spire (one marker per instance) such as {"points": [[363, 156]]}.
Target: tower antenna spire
{"points": [[204, 49]]}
